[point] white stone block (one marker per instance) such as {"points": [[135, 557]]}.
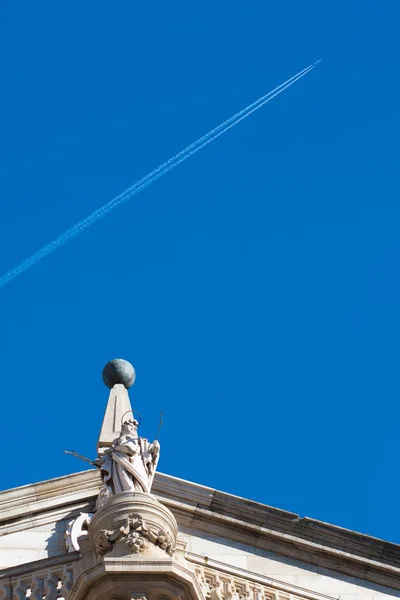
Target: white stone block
{"points": [[215, 547], [10, 557], [26, 546]]}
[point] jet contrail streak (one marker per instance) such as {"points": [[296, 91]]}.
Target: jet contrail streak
{"points": [[151, 177], [218, 128], [207, 135], [199, 143]]}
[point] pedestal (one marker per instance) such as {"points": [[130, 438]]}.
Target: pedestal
{"points": [[129, 554]]}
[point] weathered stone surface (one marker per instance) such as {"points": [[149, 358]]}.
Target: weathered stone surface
{"points": [[136, 579], [118, 405], [129, 464], [133, 524], [236, 533]]}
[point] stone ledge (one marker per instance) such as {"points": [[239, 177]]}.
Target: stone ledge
{"points": [[45, 564], [229, 516], [54, 492], [295, 547], [139, 572]]}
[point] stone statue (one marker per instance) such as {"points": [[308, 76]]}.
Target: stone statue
{"points": [[127, 519], [126, 461], [129, 464]]}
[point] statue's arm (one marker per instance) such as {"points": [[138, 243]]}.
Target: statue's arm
{"points": [[154, 450], [128, 448]]}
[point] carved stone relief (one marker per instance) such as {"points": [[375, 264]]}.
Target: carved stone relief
{"points": [[217, 585], [136, 536], [76, 528]]}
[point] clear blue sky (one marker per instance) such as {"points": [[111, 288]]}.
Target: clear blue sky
{"points": [[255, 288]]}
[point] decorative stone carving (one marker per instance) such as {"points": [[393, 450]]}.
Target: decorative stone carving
{"points": [[104, 495], [67, 581], [135, 534], [128, 552], [6, 592], [51, 587], [217, 585], [129, 464], [133, 524], [38, 585], [20, 590], [126, 461], [76, 528], [37, 588], [216, 593]]}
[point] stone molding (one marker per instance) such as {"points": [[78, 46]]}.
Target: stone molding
{"points": [[231, 517], [54, 493], [44, 518], [295, 547], [152, 579]]}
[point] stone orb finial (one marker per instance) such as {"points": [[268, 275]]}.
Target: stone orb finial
{"points": [[118, 371]]}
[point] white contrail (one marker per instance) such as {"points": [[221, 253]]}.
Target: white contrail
{"points": [[215, 130], [188, 151], [151, 177]]}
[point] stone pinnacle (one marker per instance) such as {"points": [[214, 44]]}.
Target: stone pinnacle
{"points": [[118, 375]]}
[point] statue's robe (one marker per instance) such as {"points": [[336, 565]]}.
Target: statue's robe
{"points": [[129, 468]]}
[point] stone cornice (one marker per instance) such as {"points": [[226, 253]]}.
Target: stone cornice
{"points": [[42, 496], [219, 567], [336, 559], [222, 514]]}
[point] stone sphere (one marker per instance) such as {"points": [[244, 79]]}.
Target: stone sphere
{"points": [[118, 371]]}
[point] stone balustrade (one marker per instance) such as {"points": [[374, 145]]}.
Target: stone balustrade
{"points": [[45, 584], [218, 584], [221, 586]]}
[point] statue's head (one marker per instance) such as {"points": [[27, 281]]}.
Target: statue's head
{"points": [[130, 428]]}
